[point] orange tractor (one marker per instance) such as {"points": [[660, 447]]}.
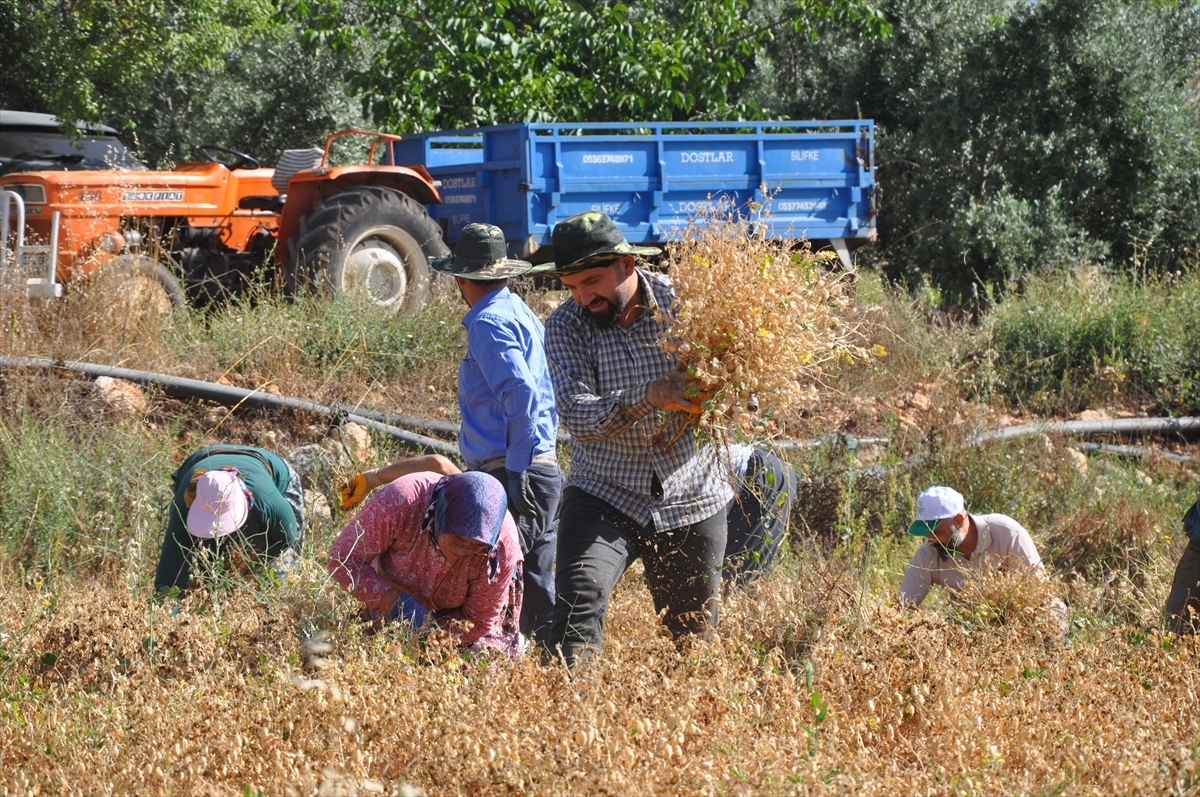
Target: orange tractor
{"points": [[205, 229]]}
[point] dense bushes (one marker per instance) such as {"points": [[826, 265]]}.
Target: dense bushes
{"points": [[1086, 339], [1015, 137], [171, 76]]}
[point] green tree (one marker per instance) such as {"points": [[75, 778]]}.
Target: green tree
{"points": [[172, 74], [479, 62], [80, 60], [1017, 136], [271, 93]]}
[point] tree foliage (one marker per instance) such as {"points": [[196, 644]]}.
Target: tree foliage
{"points": [[271, 93], [1018, 136], [1013, 136], [82, 60], [478, 62], [172, 74], [261, 75]]}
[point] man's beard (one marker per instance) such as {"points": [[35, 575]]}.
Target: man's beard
{"points": [[957, 538], [614, 309]]}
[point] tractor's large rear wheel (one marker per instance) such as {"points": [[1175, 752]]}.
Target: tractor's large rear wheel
{"points": [[367, 239]]}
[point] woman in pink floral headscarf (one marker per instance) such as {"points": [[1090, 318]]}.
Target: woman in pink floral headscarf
{"points": [[443, 547]]}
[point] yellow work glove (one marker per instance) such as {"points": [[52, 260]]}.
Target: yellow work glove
{"points": [[354, 491]]}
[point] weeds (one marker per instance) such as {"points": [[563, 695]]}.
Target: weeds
{"points": [[1087, 339], [344, 346], [343, 349], [111, 319], [79, 489], [818, 683], [809, 688]]}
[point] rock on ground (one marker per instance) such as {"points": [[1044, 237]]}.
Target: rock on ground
{"points": [[357, 441], [319, 467], [121, 395], [316, 509]]}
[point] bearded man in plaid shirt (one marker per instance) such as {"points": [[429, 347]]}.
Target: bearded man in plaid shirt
{"points": [[639, 485]]}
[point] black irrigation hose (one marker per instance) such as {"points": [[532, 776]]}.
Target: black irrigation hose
{"points": [[1127, 426], [849, 441], [1130, 451], [182, 387], [437, 427]]}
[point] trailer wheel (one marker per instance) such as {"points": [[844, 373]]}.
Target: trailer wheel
{"points": [[369, 239]]}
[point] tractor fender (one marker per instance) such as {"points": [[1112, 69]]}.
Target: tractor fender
{"points": [[309, 187]]}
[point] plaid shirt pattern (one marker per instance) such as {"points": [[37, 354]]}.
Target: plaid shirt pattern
{"points": [[618, 440]]}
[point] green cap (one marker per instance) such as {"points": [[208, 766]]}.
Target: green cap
{"points": [[923, 528], [480, 254], [587, 240]]}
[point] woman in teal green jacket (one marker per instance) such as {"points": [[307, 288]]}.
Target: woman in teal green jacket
{"points": [[229, 497]]}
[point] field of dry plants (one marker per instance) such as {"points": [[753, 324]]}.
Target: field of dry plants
{"points": [[818, 684]]}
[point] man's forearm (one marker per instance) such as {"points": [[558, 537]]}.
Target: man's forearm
{"points": [[591, 418], [587, 413], [913, 590]]}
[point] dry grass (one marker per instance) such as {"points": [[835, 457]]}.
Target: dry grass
{"points": [[758, 320], [343, 351], [113, 319], [818, 684], [811, 689], [1001, 597]]}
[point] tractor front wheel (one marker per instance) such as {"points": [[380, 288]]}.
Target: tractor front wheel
{"points": [[146, 282], [367, 239]]}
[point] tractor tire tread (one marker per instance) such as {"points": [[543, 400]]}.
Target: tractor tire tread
{"points": [[324, 231]]}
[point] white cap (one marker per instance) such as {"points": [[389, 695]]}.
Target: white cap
{"points": [[933, 506]]}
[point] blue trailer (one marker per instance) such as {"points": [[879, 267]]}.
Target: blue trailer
{"points": [[651, 177]]}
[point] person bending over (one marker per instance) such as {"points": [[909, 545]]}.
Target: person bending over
{"points": [[958, 541], [509, 422], [1183, 602], [757, 520], [232, 503], [429, 548]]}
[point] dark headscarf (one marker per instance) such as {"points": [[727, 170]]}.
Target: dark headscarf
{"points": [[471, 505]]}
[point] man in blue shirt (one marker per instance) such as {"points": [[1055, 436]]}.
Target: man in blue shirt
{"points": [[509, 421]]}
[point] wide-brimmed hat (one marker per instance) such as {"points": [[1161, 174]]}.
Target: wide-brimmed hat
{"points": [[221, 505], [480, 254], [933, 506], [587, 240]]}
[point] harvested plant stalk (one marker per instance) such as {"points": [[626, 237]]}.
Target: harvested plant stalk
{"points": [[758, 318]]}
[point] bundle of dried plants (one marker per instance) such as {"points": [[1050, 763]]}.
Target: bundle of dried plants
{"points": [[759, 319]]}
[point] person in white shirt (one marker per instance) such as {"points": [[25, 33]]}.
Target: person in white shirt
{"points": [[958, 540]]}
